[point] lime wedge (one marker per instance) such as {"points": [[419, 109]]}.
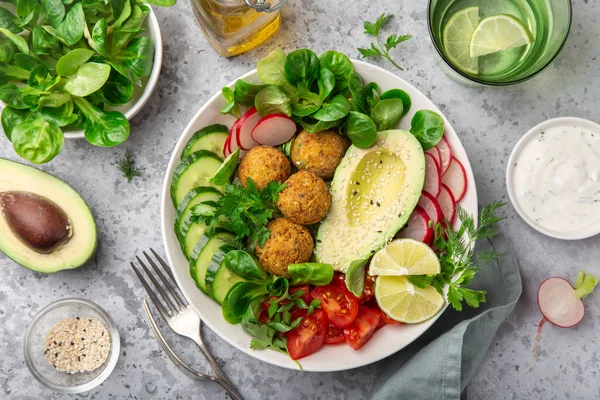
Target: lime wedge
{"points": [[226, 170], [405, 257], [404, 302], [457, 38], [497, 33]]}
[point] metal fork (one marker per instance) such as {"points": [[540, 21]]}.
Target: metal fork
{"points": [[180, 317]]}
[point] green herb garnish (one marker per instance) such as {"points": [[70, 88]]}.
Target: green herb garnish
{"points": [[380, 49], [126, 165], [245, 211], [457, 256]]}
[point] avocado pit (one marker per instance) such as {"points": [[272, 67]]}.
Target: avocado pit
{"points": [[39, 223]]}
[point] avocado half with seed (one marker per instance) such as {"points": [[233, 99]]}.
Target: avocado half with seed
{"points": [[45, 225], [373, 193]]}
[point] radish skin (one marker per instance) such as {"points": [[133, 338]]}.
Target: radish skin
{"points": [[433, 177], [560, 303]]}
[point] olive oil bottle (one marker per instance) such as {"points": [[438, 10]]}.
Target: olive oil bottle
{"points": [[235, 26]]}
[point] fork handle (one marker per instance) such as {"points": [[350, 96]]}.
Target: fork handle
{"points": [[226, 383]]}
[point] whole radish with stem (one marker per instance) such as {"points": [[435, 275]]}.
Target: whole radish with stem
{"points": [[560, 303]]}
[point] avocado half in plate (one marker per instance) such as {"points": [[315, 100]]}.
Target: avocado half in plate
{"points": [[45, 225]]}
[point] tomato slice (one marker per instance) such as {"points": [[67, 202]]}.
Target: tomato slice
{"points": [[369, 290], [340, 305], [339, 279], [363, 327], [306, 296], [334, 335], [388, 320], [308, 337]]}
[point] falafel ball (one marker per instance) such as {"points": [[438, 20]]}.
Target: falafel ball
{"points": [[320, 152], [289, 243], [264, 164], [305, 199]]}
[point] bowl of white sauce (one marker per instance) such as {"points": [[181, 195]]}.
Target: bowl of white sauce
{"points": [[553, 178]]}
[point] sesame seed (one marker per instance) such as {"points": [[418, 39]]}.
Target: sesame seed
{"points": [[70, 360]]}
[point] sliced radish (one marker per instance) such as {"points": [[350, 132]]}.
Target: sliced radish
{"points": [[456, 179], [433, 178], [445, 154], [431, 207], [245, 127], [226, 151], [417, 227], [447, 204], [436, 153], [560, 303], [274, 129]]}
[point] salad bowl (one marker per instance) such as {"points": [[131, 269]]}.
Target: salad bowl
{"points": [[389, 339], [141, 94]]}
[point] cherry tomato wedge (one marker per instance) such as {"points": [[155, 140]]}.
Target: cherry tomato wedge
{"points": [[339, 279], [308, 337], [363, 327], [306, 296], [368, 292], [340, 305], [388, 320], [335, 335]]}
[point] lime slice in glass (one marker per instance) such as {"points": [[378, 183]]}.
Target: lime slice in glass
{"points": [[404, 302], [226, 170], [457, 38], [497, 33], [405, 257]]}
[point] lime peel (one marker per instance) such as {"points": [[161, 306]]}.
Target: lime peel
{"points": [[498, 33]]}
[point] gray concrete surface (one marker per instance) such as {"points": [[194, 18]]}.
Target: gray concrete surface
{"points": [[489, 122]]}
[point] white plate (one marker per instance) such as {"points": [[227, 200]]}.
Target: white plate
{"points": [[388, 339], [514, 158], [141, 94]]}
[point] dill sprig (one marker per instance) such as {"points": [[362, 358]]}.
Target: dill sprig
{"points": [[126, 165], [457, 256]]}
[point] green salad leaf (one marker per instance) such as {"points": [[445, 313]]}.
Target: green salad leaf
{"points": [[62, 62]]}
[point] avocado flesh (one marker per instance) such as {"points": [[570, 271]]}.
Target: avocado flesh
{"points": [[374, 191], [42, 244]]}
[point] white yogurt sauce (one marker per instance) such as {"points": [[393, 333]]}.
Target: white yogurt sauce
{"points": [[557, 178]]}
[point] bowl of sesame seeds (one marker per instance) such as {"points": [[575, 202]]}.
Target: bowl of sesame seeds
{"points": [[71, 346]]}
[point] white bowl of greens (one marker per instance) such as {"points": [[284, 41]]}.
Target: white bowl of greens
{"points": [[388, 339], [70, 73]]}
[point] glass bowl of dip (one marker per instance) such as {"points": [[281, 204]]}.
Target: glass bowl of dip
{"points": [[34, 346], [553, 178]]}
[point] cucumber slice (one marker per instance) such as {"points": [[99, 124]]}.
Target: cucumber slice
{"points": [[214, 265], [211, 138], [193, 171], [224, 280], [184, 211], [203, 253]]}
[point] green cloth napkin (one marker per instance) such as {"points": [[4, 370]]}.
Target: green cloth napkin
{"points": [[441, 362]]}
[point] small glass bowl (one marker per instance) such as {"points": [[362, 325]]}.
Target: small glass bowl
{"points": [[35, 336]]}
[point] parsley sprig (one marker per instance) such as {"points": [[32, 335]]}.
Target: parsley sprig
{"points": [[382, 49], [245, 211], [457, 256], [126, 165], [264, 336]]}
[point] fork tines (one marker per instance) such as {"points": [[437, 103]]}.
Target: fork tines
{"points": [[179, 304]]}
